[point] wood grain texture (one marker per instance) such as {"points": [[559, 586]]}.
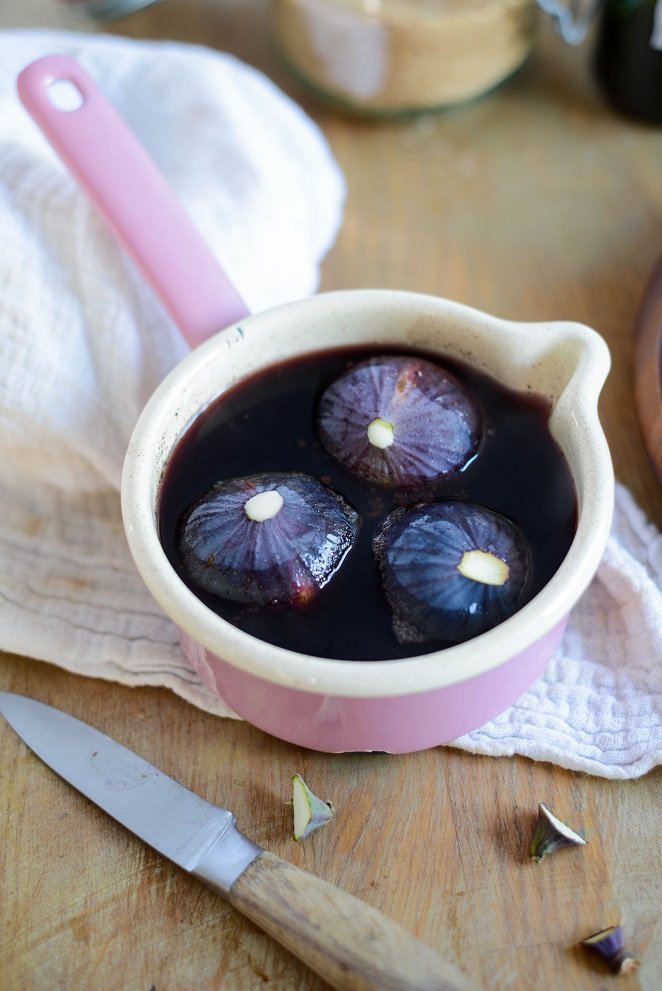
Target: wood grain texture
{"points": [[344, 940], [537, 203], [438, 841]]}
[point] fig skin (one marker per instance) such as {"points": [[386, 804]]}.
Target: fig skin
{"points": [[436, 424], [420, 551], [285, 559]]}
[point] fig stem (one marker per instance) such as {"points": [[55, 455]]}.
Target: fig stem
{"points": [[485, 567], [381, 433], [264, 505]]}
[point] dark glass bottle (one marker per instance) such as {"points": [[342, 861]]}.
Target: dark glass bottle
{"points": [[628, 57], [108, 10]]}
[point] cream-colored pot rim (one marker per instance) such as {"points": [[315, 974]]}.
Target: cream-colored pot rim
{"points": [[567, 362]]}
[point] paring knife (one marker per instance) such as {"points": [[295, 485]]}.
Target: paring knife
{"points": [[350, 945]]}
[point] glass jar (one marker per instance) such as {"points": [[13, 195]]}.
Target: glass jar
{"points": [[108, 10], [399, 56]]}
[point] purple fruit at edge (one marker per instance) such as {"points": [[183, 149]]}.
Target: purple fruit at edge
{"points": [[273, 538], [399, 421], [450, 570]]}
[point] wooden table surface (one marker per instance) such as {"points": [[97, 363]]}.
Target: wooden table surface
{"points": [[535, 203]]}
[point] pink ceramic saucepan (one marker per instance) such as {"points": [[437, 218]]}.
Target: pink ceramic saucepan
{"points": [[333, 704]]}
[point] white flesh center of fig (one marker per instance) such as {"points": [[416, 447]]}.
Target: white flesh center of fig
{"points": [[380, 433], [263, 506], [482, 566]]}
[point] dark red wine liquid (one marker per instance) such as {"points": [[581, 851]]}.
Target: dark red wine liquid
{"points": [[267, 424]]}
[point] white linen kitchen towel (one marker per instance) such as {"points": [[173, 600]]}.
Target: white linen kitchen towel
{"points": [[83, 343]]}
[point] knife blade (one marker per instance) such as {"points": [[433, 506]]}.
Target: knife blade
{"points": [[351, 945]]}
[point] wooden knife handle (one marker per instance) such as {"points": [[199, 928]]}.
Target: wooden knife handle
{"points": [[352, 946]]}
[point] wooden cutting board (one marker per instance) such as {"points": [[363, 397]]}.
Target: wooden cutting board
{"points": [[648, 367]]}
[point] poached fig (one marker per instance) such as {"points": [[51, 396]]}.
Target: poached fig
{"points": [[272, 538], [450, 570], [399, 421]]}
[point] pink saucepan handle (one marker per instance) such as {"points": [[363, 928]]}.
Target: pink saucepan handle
{"points": [[133, 197]]}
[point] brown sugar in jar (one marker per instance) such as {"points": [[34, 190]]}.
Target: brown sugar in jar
{"points": [[403, 56]]}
